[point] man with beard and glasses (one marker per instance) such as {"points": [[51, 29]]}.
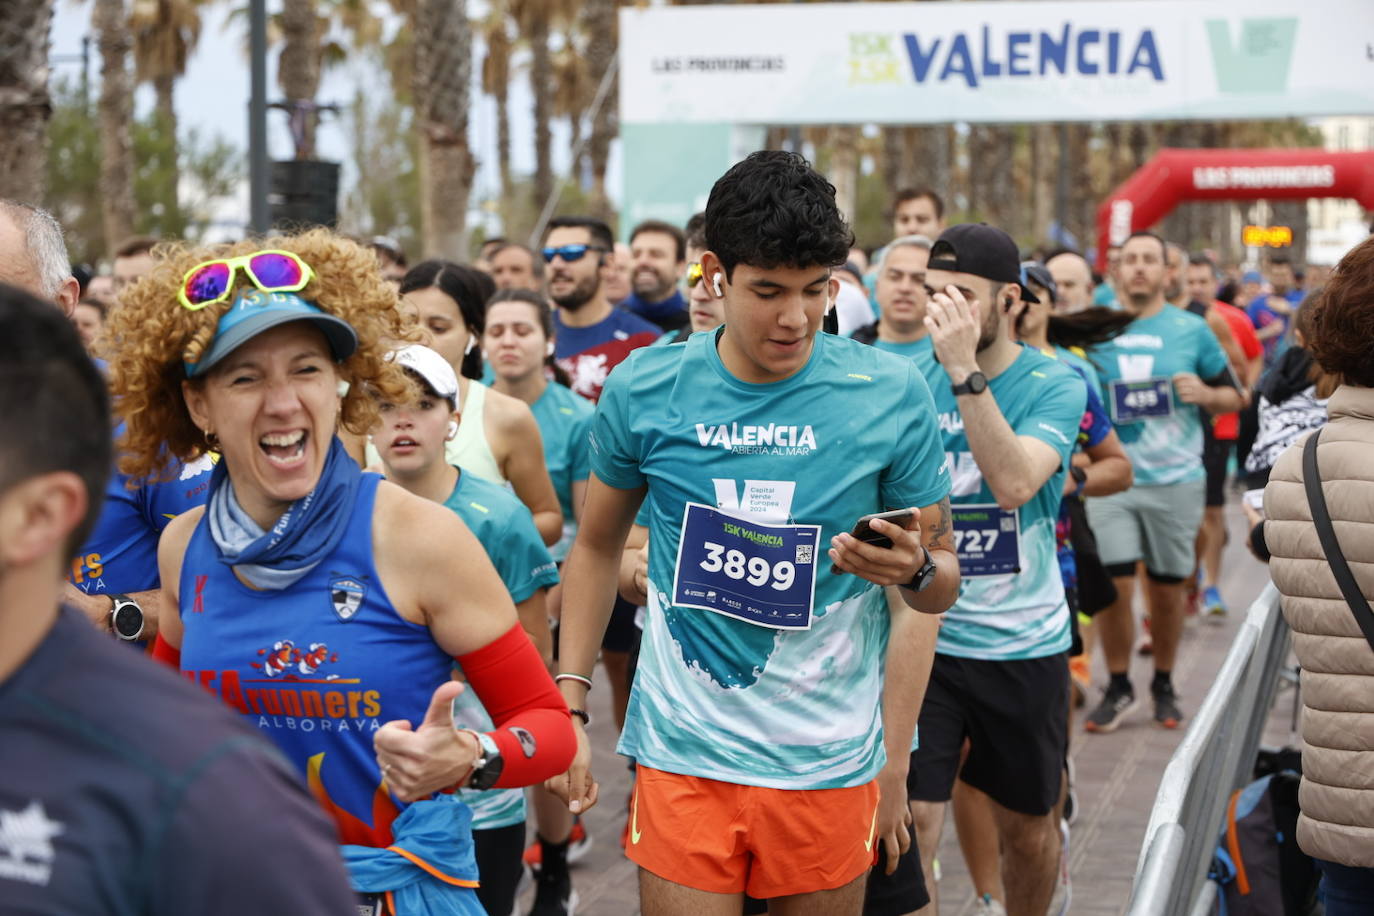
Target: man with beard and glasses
{"points": [[1158, 376], [658, 253], [999, 679], [592, 337]]}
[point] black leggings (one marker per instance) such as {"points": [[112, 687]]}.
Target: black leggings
{"points": [[498, 853]]}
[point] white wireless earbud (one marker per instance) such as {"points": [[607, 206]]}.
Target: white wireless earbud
{"points": [[452, 428], [715, 283], [342, 389], [548, 350]]}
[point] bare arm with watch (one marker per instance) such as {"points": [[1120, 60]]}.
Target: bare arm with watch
{"points": [[132, 617], [590, 578], [921, 560], [1014, 467]]}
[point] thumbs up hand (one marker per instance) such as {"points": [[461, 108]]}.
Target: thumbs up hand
{"points": [[417, 762]]}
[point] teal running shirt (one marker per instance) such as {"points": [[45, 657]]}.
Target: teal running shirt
{"points": [[1079, 358], [757, 466], [1002, 614], [564, 420], [1164, 441], [921, 352], [505, 529]]}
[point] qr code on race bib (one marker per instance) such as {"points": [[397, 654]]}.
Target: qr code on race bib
{"points": [[1009, 524], [804, 553]]}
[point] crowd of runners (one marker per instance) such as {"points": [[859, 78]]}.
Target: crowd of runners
{"points": [[841, 537]]}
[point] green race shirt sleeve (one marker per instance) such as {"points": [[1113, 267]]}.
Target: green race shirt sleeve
{"points": [[522, 560], [917, 475], [1211, 359], [613, 446], [1056, 416], [579, 449]]}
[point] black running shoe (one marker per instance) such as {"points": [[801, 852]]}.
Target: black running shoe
{"points": [[554, 895], [1167, 713], [1107, 716]]}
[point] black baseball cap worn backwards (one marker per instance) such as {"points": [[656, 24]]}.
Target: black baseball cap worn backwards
{"points": [[981, 250]]}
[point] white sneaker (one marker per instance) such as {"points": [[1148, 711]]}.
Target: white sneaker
{"points": [[986, 906], [1063, 886]]}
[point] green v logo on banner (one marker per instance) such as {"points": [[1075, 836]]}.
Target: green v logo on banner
{"points": [[1259, 62]]}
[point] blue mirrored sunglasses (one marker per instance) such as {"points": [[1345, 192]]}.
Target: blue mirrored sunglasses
{"points": [[569, 252]]}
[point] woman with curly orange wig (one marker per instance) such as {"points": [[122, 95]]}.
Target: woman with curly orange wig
{"points": [[325, 604]]}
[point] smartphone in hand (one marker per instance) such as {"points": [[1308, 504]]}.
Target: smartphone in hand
{"points": [[863, 531]]}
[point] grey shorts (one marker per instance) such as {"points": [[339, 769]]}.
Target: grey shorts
{"points": [[1155, 524]]}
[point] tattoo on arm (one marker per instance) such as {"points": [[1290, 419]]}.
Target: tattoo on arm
{"points": [[940, 530]]}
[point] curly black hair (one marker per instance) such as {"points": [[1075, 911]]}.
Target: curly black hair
{"points": [[774, 210]]}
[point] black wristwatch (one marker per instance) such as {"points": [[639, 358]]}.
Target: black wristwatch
{"points": [[126, 618], [487, 768], [924, 576], [976, 383]]}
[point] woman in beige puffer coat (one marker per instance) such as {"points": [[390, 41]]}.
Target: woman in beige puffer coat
{"points": [[1336, 825]]}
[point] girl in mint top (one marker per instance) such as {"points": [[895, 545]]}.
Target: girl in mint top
{"points": [[518, 342]]}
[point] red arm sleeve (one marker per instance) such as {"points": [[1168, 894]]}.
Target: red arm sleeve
{"points": [[166, 654], [515, 687]]}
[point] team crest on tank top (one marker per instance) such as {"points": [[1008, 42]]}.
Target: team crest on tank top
{"points": [[346, 593]]}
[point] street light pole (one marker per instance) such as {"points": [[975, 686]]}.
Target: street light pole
{"points": [[257, 117]]}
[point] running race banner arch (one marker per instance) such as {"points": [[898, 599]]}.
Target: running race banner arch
{"points": [[1177, 175]]}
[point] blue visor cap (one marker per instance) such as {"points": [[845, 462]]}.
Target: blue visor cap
{"points": [[255, 311]]}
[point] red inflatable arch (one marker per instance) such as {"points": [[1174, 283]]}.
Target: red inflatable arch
{"points": [[1176, 175]]}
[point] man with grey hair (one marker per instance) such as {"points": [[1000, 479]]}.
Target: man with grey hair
{"points": [[33, 255], [113, 579], [902, 296]]}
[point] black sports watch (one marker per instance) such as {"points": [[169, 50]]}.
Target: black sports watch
{"points": [[486, 769], [126, 618], [976, 383], [924, 576]]}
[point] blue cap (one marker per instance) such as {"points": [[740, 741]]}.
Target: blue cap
{"points": [[1251, 276], [255, 311]]}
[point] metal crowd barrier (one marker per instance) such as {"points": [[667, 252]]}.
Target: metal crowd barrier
{"points": [[1214, 759]]}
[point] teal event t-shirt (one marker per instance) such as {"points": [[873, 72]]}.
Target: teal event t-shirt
{"points": [[564, 420], [1161, 435], [505, 529], [1011, 601], [746, 484], [921, 352]]}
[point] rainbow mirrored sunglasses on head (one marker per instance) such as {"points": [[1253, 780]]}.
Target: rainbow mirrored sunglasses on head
{"points": [[693, 274], [270, 271], [569, 252]]}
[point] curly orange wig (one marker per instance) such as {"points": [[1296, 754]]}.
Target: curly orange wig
{"points": [[150, 336]]}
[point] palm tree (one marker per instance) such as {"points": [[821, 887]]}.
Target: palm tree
{"points": [[110, 20], [535, 22], [24, 101], [602, 24], [165, 33], [442, 40], [298, 69], [572, 94], [496, 72]]}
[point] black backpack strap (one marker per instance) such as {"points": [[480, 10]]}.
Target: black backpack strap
{"points": [[1316, 499]]}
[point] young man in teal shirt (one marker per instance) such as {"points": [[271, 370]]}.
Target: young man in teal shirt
{"points": [[1158, 376], [771, 687]]}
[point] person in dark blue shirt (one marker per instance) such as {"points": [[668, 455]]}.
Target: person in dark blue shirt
{"points": [[658, 259], [116, 568], [126, 789]]}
